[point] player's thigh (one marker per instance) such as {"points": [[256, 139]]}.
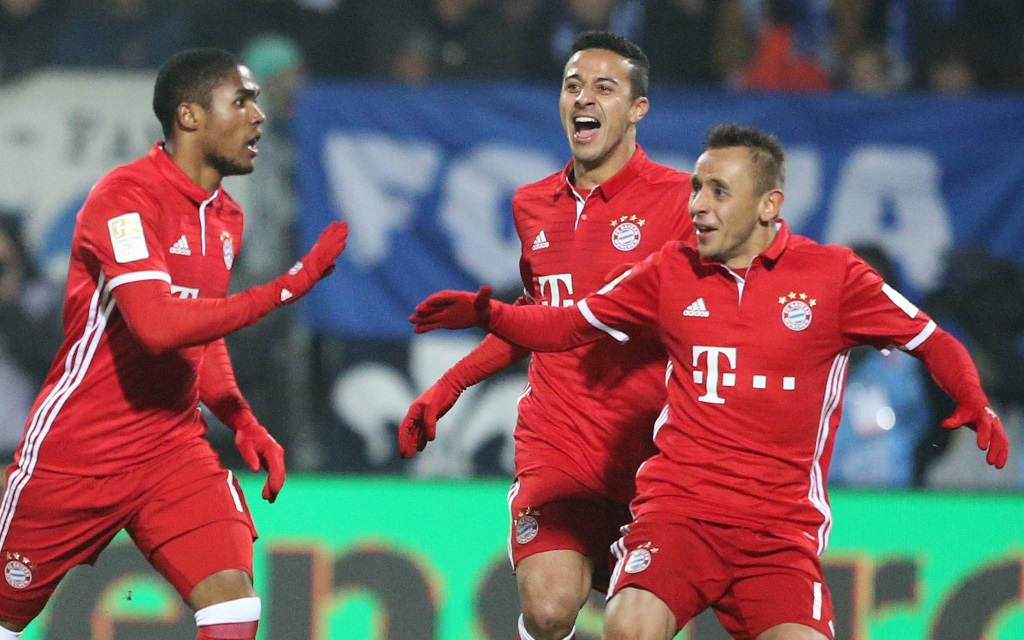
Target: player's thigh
{"points": [[194, 522], [637, 614], [577, 521], [208, 565], [678, 563], [52, 523], [554, 584], [779, 588]]}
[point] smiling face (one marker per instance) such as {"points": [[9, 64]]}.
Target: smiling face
{"points": [[230, 127], [599, 113], [734, 218]]}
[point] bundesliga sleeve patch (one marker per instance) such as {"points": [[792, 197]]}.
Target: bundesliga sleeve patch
{"points": [[127, 238]]}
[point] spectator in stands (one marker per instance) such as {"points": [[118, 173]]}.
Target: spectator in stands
{"points": [[30, 331], [868, 70], [886, 410], [778, 64], [625, 17], [681, 36], [27, 36], [134, 34]]}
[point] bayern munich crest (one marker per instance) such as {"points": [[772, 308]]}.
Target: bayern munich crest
{"points": [[526, 529], [229, 249], [626, 234], [796, 312], [17, 574], [638, 560]]}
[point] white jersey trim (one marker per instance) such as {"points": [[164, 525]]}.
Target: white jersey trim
{"points": [[79, 357], [816, 492], [594, 322], [138, 276], [513, 491], [926, 333]]}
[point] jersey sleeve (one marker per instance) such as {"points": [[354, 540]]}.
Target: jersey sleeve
{"points": [[116, 228], [875, 314], [627, 302]]}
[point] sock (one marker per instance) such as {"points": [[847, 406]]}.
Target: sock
{"points": [[228, 631], [523, 634], [9, 635], [231, 620]]}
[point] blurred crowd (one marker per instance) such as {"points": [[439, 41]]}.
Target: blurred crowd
{"points": [[808, 45], [890, 435]]}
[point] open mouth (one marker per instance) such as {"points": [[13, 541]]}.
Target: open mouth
{"points": [[251, 145], [585, 127], [703, 230]]}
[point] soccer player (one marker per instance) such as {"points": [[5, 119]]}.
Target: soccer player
{"points": [[586, 415], [115, 439], [732, 512]]}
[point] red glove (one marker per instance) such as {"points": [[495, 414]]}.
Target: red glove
{"points": [[453, 310], [991, 435], [314, 266], [257, 446], [420, 423]]}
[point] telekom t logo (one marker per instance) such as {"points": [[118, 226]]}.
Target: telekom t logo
{"points": [[553, 286], [712, 367]]}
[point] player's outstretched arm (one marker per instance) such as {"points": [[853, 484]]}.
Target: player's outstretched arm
{"points": [[534, 327], [951, 366], [162, 321], [420, 423], [219, 391]]}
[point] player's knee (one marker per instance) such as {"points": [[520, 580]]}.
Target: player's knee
{"points": [[791, 631], [552, 612], [10, 630]]}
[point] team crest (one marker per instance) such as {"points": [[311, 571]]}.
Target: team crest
{"points": [[796, 312], [626, 234], [527, 528], [18, 571], [229, 249], [638, 560]]}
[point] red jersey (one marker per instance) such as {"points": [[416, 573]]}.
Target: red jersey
{"points": [[758, 362], [107, 404], [590, 410]]}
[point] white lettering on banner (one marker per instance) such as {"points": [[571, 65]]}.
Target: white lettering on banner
{"points": [[373, 397], [893, 196], [377, 182], [711, 380], [551, 286], [476, 208]]}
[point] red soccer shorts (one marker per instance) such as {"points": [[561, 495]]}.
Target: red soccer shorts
{"points": [[552, 512], [751, 579], [51, 523]]}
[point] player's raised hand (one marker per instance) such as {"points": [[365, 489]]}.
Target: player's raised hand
{"points": [[258, 448], [986, 423], [420, 423], [453, 310], [315, 265]]}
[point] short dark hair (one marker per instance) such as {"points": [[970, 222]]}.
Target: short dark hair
{"points": [[615, 43], [765, 152], [189, 76]]}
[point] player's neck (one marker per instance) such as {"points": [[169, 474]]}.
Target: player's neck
{"points": [[587, 175], [193, 165]]}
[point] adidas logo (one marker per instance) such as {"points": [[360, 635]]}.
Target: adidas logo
{"points": [[180, 247], [697, 308], [541, 242]]}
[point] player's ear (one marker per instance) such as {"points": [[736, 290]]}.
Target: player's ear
{"points": [[770, 205], [189, 116], [639, 109]]}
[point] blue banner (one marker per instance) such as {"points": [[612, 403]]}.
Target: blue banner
{"points": [[425, 175]]}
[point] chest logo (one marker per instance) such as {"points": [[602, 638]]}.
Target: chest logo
{"points": [[229, 249], [180, 247], [626, 234], [697, 309], [541, 242], [796, 310]]}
